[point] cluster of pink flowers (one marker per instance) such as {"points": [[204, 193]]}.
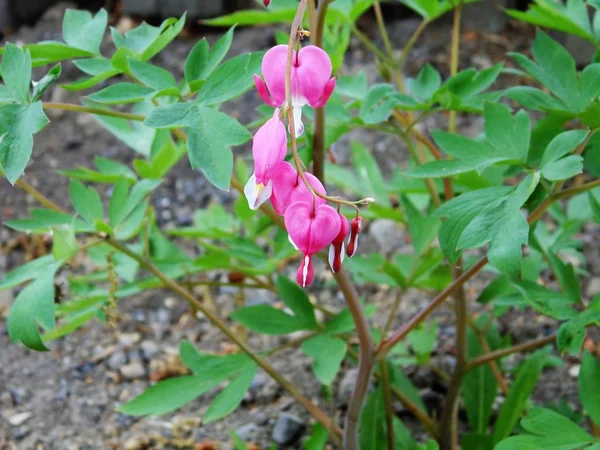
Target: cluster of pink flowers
{"points": [[312, 225]]}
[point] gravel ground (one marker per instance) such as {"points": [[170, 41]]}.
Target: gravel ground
{"points": [[66, 399]]}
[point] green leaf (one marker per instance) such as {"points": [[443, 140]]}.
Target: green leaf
{"points": [[368, 171], [563, 169], [168, 395], [17, 125], [174, 115], [327, 354], [16, 72], [296, 299], [267, 320], [423, 339], [479, 385], [230, 397], [27, 271], [571, 334], [378, 104], [563, 144], [426, 84], [588, 385], [34, 305], [150, 75], [553, 430], [231, 79], [476, 154], [317, 439], [372, 423], [518, 395], [81, 30], [120, 93], [423, 229], [460, 211], [509, 135], [86, 201], [440, 169], [41, 86], [213, 367], [201, 62], [211, 135], [253, 17], [64, 244], [524, 442], [401, 382]]}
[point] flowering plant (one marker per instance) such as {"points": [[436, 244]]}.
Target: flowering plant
{"points": [[509, 203]]}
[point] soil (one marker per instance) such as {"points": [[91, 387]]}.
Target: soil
{"points": [[65, 399]]}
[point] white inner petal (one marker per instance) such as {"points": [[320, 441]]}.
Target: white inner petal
{"points": [[257, 194], [305, 270], [298, 125], [292, 242], [331, 256]]}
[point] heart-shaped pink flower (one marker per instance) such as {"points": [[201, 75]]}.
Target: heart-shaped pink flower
{"points": [[289, 188]]}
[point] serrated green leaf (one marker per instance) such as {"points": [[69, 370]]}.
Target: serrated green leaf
{"points": [[27, 271], [81, 30], [34, 305], [167, 395], [230, 397], [509, 135], [150, 75], [201, 61], [16, 72], [86, 201], [327, 354], [18, 123], [231, 79], [121, 93]]}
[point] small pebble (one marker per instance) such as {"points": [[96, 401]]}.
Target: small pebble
{"points": [[288, 428], [133, 370], [19, 419]]}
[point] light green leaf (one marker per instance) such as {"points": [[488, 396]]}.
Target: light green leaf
{"points": [[18, 123], [150, 75], [440, 169], [168, 395], [476, 154], [368, 171], [174, 115], [16, 72], [372, 423], [317, 439], [563, 144], [34, 305], [81, 30], [121, 93], [64, 244], [211, 135], [41, 86], [230, 397], [86, 201], [296, 299], [231, 79], [201, 61], [588, 385], [327, 354], [267, 320], [554, 430], [563, 169], [509, 135], [27, 271]]}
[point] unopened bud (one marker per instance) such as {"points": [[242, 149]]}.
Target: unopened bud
{"points": [[367, 201], [266, 2], [355, 227]]}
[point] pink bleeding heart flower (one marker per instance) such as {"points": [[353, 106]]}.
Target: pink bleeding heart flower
{"points": [[266, 2], [269, 147], [310, 81], [337, 249], [311, 228], [355, 227], [289, 188]]}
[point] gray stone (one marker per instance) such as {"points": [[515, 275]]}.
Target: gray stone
{"points": [[133, 370], [593, 287], [6, 299], [346, 386], [486, 15], [149, 349], [247, 431], [288, 428], [386, 233], [19, 419], [117, 360]]}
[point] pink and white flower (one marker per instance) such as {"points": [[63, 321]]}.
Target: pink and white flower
{"points": [[289, 188], [337, 249], [311, 228], [355, 228], [269, 147], [310, 82]]}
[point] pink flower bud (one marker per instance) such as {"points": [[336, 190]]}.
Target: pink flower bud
{"points": [[266, 2], [355, 227], [310, 79], [337, 249], [269, 147], [289, 188], [311, 228]]}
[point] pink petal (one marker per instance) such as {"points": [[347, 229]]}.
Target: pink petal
{"points": [[355, 228], [269, 147], [305, 273], [289, 188], [273, 70], [329, 87], [263, 91], [312, 227], [314, 71], [336, 256]]}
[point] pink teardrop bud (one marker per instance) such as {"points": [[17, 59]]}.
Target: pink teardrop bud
{"points": [[266, 2], [337, 249], [355, 227]]}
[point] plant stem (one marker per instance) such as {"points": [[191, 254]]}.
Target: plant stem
{"points": [[365, 360], [387, 398], [524, 347], [372, 47], [454, 54], [96, 111], [319, 136], [411, 43], [39, 196], [382, 29]]}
